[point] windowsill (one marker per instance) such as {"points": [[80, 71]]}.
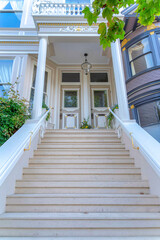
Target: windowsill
{"points": [[141, 73]]}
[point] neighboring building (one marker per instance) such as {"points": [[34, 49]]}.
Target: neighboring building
{"points": [[67, 89], [141, 54]]}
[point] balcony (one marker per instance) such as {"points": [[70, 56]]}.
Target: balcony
{"points": [[49, 7]]}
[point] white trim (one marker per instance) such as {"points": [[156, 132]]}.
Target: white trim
{"points": [[74, 108], [99, 108], [65, 115]]}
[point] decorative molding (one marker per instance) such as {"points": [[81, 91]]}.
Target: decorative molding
{"points": [[124, 42], [78, 29], [18, 42], [67, 24]]}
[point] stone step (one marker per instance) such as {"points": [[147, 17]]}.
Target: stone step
{"points": [[88, 208], [81, 131], [81, 152], [76, 165], [79, 224], [81, 187], [80, 238], [48, 203], [81, 161], [138, 184], [83, 177], [81, 140], [76, 158], [81, 136], [80, 146], [81, 171]]}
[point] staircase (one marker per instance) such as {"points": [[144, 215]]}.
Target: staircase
{"points": [[81, 183]]}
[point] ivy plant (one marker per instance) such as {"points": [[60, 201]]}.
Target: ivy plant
{"points": [[114, 29]]}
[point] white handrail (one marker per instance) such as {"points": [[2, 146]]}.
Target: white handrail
{"points": [[148, 146], [9, 154]]}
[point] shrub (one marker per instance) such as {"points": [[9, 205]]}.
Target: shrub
{"points": [[13, 113], [110, 116]]}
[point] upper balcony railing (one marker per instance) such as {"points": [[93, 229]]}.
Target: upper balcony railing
{"points": [[49, 7]]}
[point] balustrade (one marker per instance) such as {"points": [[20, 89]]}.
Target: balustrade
{"points": [[42, 7]]}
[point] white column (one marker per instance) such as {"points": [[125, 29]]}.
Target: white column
{"points": [[40, 75], [120, 81], [86, 109]]}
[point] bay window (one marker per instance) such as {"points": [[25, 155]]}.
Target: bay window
{"points": [[140, 56]]}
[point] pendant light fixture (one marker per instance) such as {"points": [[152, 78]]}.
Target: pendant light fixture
{"points": [[86, 66]]}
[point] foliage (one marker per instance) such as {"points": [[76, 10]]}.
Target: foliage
{"points": [[147, 10], [110, 116], [13, 113], [85, 125], [47, 108]]}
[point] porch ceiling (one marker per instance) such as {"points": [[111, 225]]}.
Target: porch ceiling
{"points": [[70, 50]]}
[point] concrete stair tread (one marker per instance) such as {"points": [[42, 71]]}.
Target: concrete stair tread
{"points": [[80, 238], [82, 184], [82, 195], [118, 216]]}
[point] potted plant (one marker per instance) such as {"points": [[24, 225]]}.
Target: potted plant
{"points": [[85, 124]]}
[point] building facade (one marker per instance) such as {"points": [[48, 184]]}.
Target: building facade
{"points": [[42, 47]]}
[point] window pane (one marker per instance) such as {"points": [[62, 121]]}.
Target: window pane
{"points": [[31, 99], [149, 113], [138, 49], [70, 99], [100, 99], [70, 77], [142, 63], [10, 19], [11, 4], [99, 77], [5, 75], [45, 82]]}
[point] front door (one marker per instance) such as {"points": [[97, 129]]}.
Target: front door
{"points": [[70, 107], [99, 112]]}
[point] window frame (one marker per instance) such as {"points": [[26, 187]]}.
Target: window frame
{"points": [[8, 58], [141, 55], [93, 105], [63, 99]]}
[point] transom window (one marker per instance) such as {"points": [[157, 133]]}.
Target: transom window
{"points": [[99, 77], [70, 98], [140, 56], [5, 75], [70, 77], [10, 13], [100, 98]]}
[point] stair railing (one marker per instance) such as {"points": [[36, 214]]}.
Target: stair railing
{"points": [[15, 147], [144, 142]]}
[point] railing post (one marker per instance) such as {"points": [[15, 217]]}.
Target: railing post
{"points": [[40, 75], [120, 81]]}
